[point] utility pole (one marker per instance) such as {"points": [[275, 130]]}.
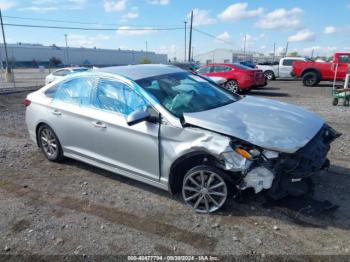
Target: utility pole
{"points": [[192, 53], [274, 53], [190, 44], [185, 39], [285, 54], [312, 53], [146, 49], [67, 54], [244, 47], [9, 75]]}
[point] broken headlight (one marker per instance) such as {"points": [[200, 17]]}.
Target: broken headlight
{"points": [[235, 161], [270, 154]]}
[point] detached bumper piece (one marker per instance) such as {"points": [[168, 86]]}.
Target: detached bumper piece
{"points": [[292, 171]]}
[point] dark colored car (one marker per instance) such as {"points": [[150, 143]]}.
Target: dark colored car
{"points": [[188, 66]]}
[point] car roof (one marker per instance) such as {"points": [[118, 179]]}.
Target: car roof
{"points": [[137, 72]]}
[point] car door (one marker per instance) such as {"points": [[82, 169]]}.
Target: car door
{"points": [[131, 149], [70, 118], [220, 71], [285, 69]]}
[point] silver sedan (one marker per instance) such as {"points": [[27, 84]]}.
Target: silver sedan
{"points": [[180, 132]]}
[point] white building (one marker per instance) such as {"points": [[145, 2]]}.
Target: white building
{"points": [[221, 55], [30, 55]]}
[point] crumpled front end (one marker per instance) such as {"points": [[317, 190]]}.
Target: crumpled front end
{"points": [[284, 173]]}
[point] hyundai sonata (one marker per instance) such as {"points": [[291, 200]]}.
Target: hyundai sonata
{"points": [[180, 132]]}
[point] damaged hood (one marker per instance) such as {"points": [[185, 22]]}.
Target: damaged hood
{"points": [[266, 123]]}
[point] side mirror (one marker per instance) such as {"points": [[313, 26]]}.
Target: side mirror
{"points": [[137, 116]]}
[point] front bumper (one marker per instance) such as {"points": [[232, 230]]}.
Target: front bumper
{"points": [[289, 171]]}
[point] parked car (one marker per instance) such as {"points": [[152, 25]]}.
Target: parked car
{"points": [[188, 66], [282, 70], [63, 72], [176, 131], [312, 73], [248, 64], [239, 77]]}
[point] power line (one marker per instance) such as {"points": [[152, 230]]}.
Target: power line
{"points": [[78, 22], [94, 29], [213, 36]]}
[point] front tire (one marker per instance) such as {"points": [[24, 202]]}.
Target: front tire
{"points": [[232, 86], [270, 75], [311, 79], [49, 144], [205, 189]]}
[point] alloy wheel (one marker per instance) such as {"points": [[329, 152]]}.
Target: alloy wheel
{"points": [[49, 142], [232, 86], [204, 191]]}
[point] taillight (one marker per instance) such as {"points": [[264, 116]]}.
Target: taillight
{"points": [[27, 102]]}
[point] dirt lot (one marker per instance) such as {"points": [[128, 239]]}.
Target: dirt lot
{"points": [[73, 208]]}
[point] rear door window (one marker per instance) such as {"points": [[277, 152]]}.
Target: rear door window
{"points": [[218, 69], [205, 70], [117, 97], [75, 91], [288, 62]]}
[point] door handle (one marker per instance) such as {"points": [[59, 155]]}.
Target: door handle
{"points": [[98, 124], [56, 112]]}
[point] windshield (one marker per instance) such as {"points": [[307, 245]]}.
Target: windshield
{"points": [[186, 93]]}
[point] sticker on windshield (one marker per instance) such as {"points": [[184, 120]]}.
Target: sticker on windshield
{"points": [[197, 78]]}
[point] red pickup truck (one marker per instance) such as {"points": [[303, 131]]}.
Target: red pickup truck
{"points": [[313, 72]]}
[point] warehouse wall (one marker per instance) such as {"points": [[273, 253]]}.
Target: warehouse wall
{"points": [[79, 56]]}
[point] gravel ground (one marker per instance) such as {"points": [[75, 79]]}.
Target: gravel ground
{"points": [[74, 208]]}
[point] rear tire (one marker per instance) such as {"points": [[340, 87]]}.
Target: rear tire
{"points": [[49, 144], [205, 189], [335, 101], [311, 79], [232, 86], [270, 75]]}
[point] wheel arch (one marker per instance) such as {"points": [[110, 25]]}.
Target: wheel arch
{"points": [[311, 69], [40, 124], [184, 163]]}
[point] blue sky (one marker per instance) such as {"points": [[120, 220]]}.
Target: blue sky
{"points": [[307, 25]]}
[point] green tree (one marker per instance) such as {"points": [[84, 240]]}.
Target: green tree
{"points": [[145, 61], [54, 61], [293, 54]]}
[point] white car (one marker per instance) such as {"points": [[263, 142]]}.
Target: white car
{"points": [[282, 70], [58, 74]]}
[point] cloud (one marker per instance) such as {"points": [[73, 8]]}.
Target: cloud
{"points": [[224, 37], [201, 17], [170, 50], [250, 40], [319, 50], [38, 9], [78, 40], [281, 19], [44, 6], [302, 35], [6, 4], [329, 30], [159, 2], [131, 31], [133, 14], [239, 11], [114, 6]]}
